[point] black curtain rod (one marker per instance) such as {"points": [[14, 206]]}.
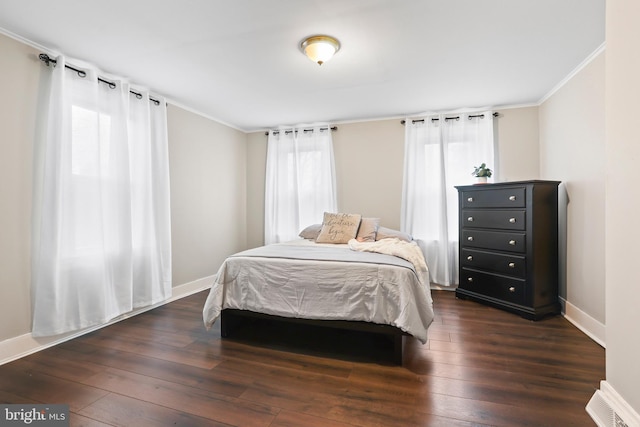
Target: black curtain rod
{"points": [[449, 118], [287, 132], [81, 73]]}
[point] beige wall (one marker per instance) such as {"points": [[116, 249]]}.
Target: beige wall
{"points": [[572, 150], [208, 194], [369, 160], [18, 88], [208, 188], [517, 138], [622, 198], [256, 169]]}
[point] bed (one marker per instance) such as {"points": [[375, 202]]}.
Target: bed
{"points": [[380, 286]]}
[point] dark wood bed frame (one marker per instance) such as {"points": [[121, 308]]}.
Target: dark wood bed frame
{"points": [[396, 335]]}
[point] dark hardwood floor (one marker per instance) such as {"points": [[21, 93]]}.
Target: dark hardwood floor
{"points": [[480, 367]]}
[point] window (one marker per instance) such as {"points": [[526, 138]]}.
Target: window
{"points": [[300, 182], [90, 135], [440, 154], [99, 172]]}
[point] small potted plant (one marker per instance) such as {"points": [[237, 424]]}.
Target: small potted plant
{"points": [[481, 173]]}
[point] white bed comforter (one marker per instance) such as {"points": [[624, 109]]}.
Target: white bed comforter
{"points": [[303, 279]]}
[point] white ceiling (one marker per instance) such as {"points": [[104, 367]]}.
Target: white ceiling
{"points": [[238, 61]]}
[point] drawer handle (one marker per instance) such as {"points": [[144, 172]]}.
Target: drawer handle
{"points": [[469, 258], [469, 279], [512, 289], [470, 219], [512, 220], [470, 199], [512, 265], [512, 198], [470, 238], [512, 242]]}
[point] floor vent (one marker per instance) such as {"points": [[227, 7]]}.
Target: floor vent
{"points": [[619, 423], [608, 409]]}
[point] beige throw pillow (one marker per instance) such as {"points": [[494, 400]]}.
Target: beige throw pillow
{"points": [[368, 229], [338, 227]]}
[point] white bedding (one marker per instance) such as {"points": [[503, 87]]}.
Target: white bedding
{"points": [[330, 282]]}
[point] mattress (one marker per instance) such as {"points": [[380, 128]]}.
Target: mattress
{"points": [[303, 279]]}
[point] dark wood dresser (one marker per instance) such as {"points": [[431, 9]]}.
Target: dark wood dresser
{"points": [[509, 246]]}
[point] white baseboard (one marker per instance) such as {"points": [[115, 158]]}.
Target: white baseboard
{"points": [[23, 345], [608, 409], [587, 324]]}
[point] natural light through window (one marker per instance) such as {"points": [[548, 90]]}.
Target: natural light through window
{"points": [[91, 133]]}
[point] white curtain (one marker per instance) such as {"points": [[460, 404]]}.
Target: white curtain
{"points": [[440, 153], [101, 221], [300, 181]]}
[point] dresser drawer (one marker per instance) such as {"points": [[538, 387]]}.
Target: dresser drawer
{"points": [[497, 198], [510, 265], [494, 218], [493, 285], [497, 240]]}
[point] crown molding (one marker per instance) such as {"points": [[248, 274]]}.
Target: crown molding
{"points": [[573, 73]]}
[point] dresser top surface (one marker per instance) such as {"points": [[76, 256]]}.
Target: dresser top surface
{"points": [[492, 185]]}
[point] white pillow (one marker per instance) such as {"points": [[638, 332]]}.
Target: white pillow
{"points": [[311, 232], [386, 233]]}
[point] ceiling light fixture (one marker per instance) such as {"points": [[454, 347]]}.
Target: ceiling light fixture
{"points": [[320, 49]]}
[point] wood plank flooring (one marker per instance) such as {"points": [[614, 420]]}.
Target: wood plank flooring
{"points": [[480, 367]]}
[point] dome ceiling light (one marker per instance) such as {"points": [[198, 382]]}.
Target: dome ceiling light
{"points": [[320, 48]]}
